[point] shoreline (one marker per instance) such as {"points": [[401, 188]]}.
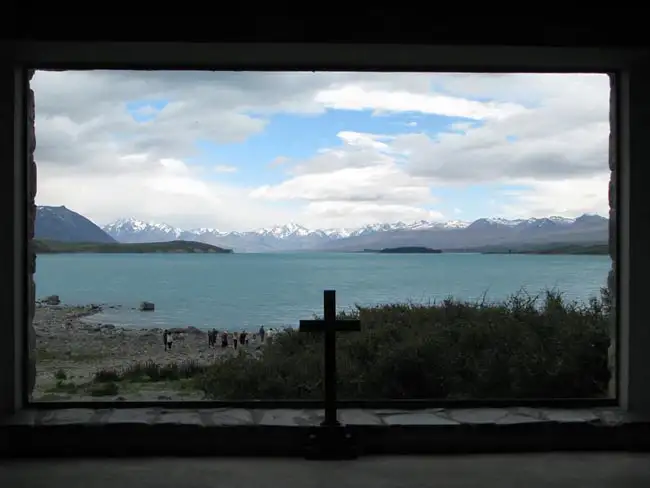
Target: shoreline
{"points": [[48, 246], [106, 317], [70, 350]]}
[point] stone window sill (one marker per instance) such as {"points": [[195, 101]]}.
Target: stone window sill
{"points": [[237, 431]]}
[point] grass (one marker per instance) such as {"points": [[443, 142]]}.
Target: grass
{"points": [[191, 247], [95, 389], [524, 347], [179, 377], [149, 371]]}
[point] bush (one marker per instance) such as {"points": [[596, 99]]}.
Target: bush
{"points": [[103, 389], [107, 376], [63, 386], [524, 347]]}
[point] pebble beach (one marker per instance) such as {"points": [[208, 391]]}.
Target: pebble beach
{"points": [[69, 346]]}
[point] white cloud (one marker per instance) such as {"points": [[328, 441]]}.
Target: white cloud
{"points": [[359, 213], [360, 181], [544, 133], [566, 198], [173, 195], [356, 98], [368, 184], [557, 149]]}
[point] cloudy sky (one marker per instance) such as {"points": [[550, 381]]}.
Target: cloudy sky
{"points": [[237, 151]]}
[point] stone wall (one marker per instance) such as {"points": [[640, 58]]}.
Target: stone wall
{"points": [[613, 235], [31, 217]]}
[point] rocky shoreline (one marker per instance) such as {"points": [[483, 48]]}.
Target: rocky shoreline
{"points": [[68, 346]]}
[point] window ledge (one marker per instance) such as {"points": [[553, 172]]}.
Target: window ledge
{"points": [[151, 431]]}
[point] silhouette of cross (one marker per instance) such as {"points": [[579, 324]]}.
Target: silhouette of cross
{"points": [[330, 325]]}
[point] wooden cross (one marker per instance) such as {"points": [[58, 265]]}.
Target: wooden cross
{"points": [[329, 325]]}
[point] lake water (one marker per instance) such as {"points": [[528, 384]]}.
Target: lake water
{"points": [[247, 290]]}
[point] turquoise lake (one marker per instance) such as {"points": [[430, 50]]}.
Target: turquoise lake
{"points": [[248, 290]]}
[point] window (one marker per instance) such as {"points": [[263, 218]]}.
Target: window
{"points": [[188, 221], [627, 348]]}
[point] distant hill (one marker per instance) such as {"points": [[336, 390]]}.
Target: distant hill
{"points": [[170, 247], [554, 248], [406, 250], [63, 225]]}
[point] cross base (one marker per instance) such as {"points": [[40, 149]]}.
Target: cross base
{"points": [[331, 443]]}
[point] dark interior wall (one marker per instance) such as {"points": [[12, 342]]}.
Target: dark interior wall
{"points": [[376, 25]]}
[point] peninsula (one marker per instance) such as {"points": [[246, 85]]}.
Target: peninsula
{"points": [[179, 247], [406, 250]]}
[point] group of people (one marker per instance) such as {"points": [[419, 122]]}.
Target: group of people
{"points": [[227, 338], [236, 339]]}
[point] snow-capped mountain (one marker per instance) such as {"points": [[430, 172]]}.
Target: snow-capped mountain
{"points": [[522, 223], [134, 230], [451, 235], [484, 232], [284, 231]]}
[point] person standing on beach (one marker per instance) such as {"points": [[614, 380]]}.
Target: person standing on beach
{"points": [[224, 339], [210, 338], [170, 340], [165, 333], [234, 340], [262, 333]]}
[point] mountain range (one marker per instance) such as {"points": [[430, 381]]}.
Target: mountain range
{"points": [[452, 235], [62, 224]]}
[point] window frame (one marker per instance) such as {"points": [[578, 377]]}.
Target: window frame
{"points": [[276, 57]]}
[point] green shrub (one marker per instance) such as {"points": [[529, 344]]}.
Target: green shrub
{"points": [[63, 386], [524, 347], [106, 376], [103, 389]]}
